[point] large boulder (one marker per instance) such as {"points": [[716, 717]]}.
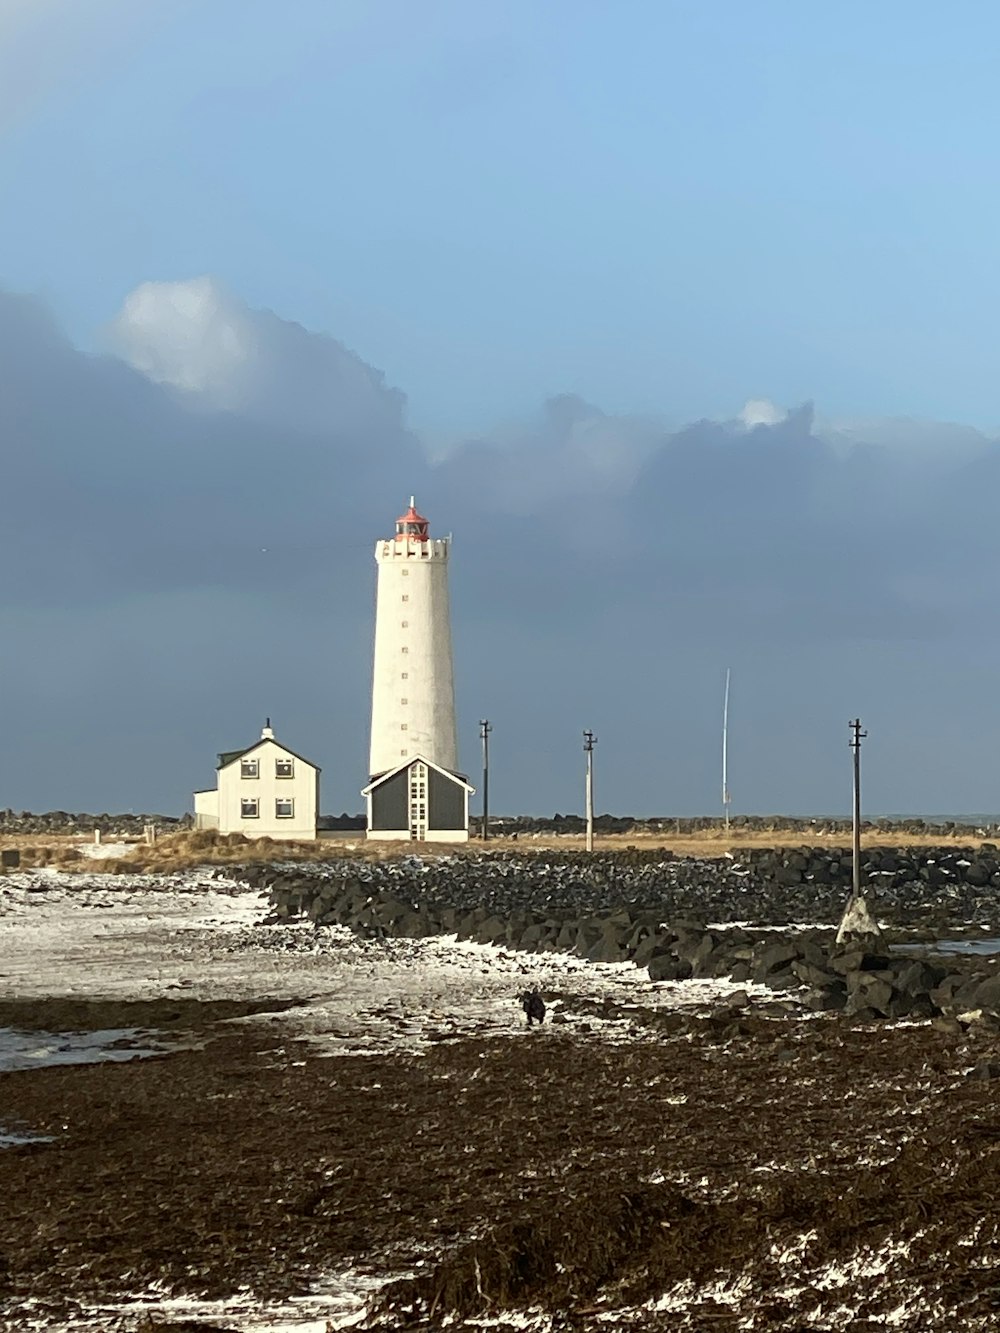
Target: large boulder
{"points": [[649, 948], [667, 967], [491, 931], [916, 977], [773, 958], [811, 975], [987, 995], [607, 948], [709, 959], [856, 960], [867, 992]]}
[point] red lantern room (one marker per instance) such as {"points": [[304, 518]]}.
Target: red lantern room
{"points": [[412, 526]]}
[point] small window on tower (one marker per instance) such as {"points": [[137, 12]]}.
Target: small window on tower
{"points": [[406, 596], [405, 573], [404, 726], [405, 676], [402, 754], [404, 701], [404, 649]]}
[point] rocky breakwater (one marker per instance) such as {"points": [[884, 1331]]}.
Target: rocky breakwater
{"points": [[802, 826], [62, 822], [923, 890], [625, 908]]}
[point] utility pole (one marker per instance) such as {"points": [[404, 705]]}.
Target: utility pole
{"points": [[858, 922], [589, 741], [484, 735], [725, 754], [857, 736]]}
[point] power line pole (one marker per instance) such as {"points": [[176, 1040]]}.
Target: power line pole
{"points": [[857, 736], [589, 741], [484, 735], [725, 753], [858, 922]]}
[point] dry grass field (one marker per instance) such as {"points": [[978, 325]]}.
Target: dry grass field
{"points": [[711, 842], [171, 852], [188, 849]]}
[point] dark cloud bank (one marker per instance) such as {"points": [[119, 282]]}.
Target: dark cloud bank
{"points": [[187, 529]]}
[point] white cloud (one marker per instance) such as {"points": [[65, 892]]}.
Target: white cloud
{"points": [[188, 334], [760, 412], [222, 355]]}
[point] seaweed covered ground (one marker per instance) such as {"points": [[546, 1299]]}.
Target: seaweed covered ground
{"points": [[727, 1172], [328, 1131]]}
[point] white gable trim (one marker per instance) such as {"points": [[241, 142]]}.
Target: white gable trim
{"points": [[269, 740], [415, 758]]}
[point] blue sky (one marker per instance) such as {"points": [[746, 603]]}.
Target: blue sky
{"points": [[666, 207], [604, 252]]}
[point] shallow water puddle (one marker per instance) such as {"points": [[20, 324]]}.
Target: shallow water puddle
{"points": [[966, 946], [39, 1050], [15, 1138]]}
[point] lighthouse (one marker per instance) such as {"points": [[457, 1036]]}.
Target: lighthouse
{"points": [[416, 791]]}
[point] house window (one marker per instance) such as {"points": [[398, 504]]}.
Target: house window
{"points": [[404, 726], [405, 573], [406, 596], [404, 649], [249, 807], [249, 769], [405, 676], [403, 753], [404, 701], [284, 768], [284, 808]]}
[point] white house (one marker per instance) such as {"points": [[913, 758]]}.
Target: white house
{"points": [[264, 791]]}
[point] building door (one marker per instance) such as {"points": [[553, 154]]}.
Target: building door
{"points": [[418, 802]]}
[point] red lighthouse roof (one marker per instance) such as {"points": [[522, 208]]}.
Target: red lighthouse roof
{"points": [[412, 526]]}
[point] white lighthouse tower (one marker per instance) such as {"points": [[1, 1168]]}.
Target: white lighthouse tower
{"points": [[413, 760]]}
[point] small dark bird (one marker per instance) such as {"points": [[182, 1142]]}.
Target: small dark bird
{"points": [[533, 1005]]}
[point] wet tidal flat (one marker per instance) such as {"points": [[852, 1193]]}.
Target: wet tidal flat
{"points": [[731, 1172]]}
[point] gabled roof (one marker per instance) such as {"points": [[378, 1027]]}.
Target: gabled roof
{"points": [[413, 759], [228, 757]]}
